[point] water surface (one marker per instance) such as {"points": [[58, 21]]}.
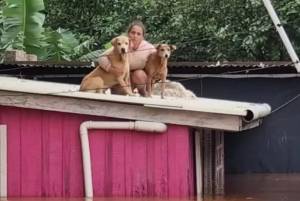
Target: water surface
{"points": [[251, 187]]}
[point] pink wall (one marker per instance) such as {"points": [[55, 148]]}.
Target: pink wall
{"points": [[44, 158]]}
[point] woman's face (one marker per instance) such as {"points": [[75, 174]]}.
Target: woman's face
{"points": [[136, 34]]}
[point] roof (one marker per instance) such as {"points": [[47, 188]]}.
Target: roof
{"points": [[201, 67], [261, 67], [47, 70], [46, 64], [198, 112]]}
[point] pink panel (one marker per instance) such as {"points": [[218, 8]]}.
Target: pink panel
{"points": [[31, 155], [142, 164], [118, 161], [178, 161], [45, 158], [72, 160], [128, 166], [54, 152], [100, 161], [160, 165], [11, 117]]}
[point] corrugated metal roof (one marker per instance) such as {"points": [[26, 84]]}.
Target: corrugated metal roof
{"points": [[264, 67], [232, 64], [269, 67], [47, 64]]}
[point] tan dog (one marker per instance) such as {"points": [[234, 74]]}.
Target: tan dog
{"points": [[156, 67], [99, 80]]}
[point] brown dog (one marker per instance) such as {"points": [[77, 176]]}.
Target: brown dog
{"points": [[99, 80], [156, 67]]}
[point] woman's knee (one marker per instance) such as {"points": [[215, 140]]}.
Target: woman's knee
{"points": [[138, 77]]}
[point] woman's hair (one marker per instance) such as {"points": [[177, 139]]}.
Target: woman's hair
{"points": [[137, 23]]}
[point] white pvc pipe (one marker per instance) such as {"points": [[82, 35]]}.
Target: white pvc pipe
{"points": [[86, 159], [285, 39], [3, 161]]}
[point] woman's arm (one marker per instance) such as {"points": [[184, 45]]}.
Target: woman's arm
{"points": [[105, 64]]}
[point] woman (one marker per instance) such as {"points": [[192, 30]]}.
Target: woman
{"points": [[139, 50]]}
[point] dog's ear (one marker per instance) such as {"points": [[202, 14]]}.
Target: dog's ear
{"points": [[173, 47], [113, 41], [157, 46]]}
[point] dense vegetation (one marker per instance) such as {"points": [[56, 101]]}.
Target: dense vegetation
{"points": [[203, 30]]}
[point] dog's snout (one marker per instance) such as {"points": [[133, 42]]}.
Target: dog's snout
{"points": [[166, 56], [123, 50]]}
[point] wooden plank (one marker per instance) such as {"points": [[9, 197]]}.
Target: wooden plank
{"points": [[118, 160], [123, 162], [213, 162], [179, 145], [219, 163], [3, 161], [130, 163], [139, 165], [10, 116], [208, 162], [72, 161], [45, 157], [55, 153], [31, 156], [100, 143], [199, 162], [160, 165], [110, 109]]}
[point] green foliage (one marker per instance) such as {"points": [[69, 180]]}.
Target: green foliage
{"points": [[203, 30], [22, 25], [91, 56], [63, 45]]}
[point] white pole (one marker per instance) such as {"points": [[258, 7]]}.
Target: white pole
{"points": [[198, 159], [282, 33], [3, 161]]}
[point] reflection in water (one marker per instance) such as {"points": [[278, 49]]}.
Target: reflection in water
{"points": [[264, 187], [265, 197], [252, 187], [273, 197]]}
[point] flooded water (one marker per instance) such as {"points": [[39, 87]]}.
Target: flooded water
{"points": [[263, 187], [252, 187]]}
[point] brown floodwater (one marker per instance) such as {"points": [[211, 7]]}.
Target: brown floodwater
{"points": [[251, 187], [263, 187]]}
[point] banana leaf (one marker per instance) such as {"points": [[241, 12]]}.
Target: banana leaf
{"points": [[92, 56], [23, 26]]}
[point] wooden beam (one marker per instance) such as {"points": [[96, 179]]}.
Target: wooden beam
{"points": [[208, 161], [213, 142], [219, 163], [121, 110], [3, 161]]}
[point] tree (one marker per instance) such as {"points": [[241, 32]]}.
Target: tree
{"points": [[22, 28]]}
